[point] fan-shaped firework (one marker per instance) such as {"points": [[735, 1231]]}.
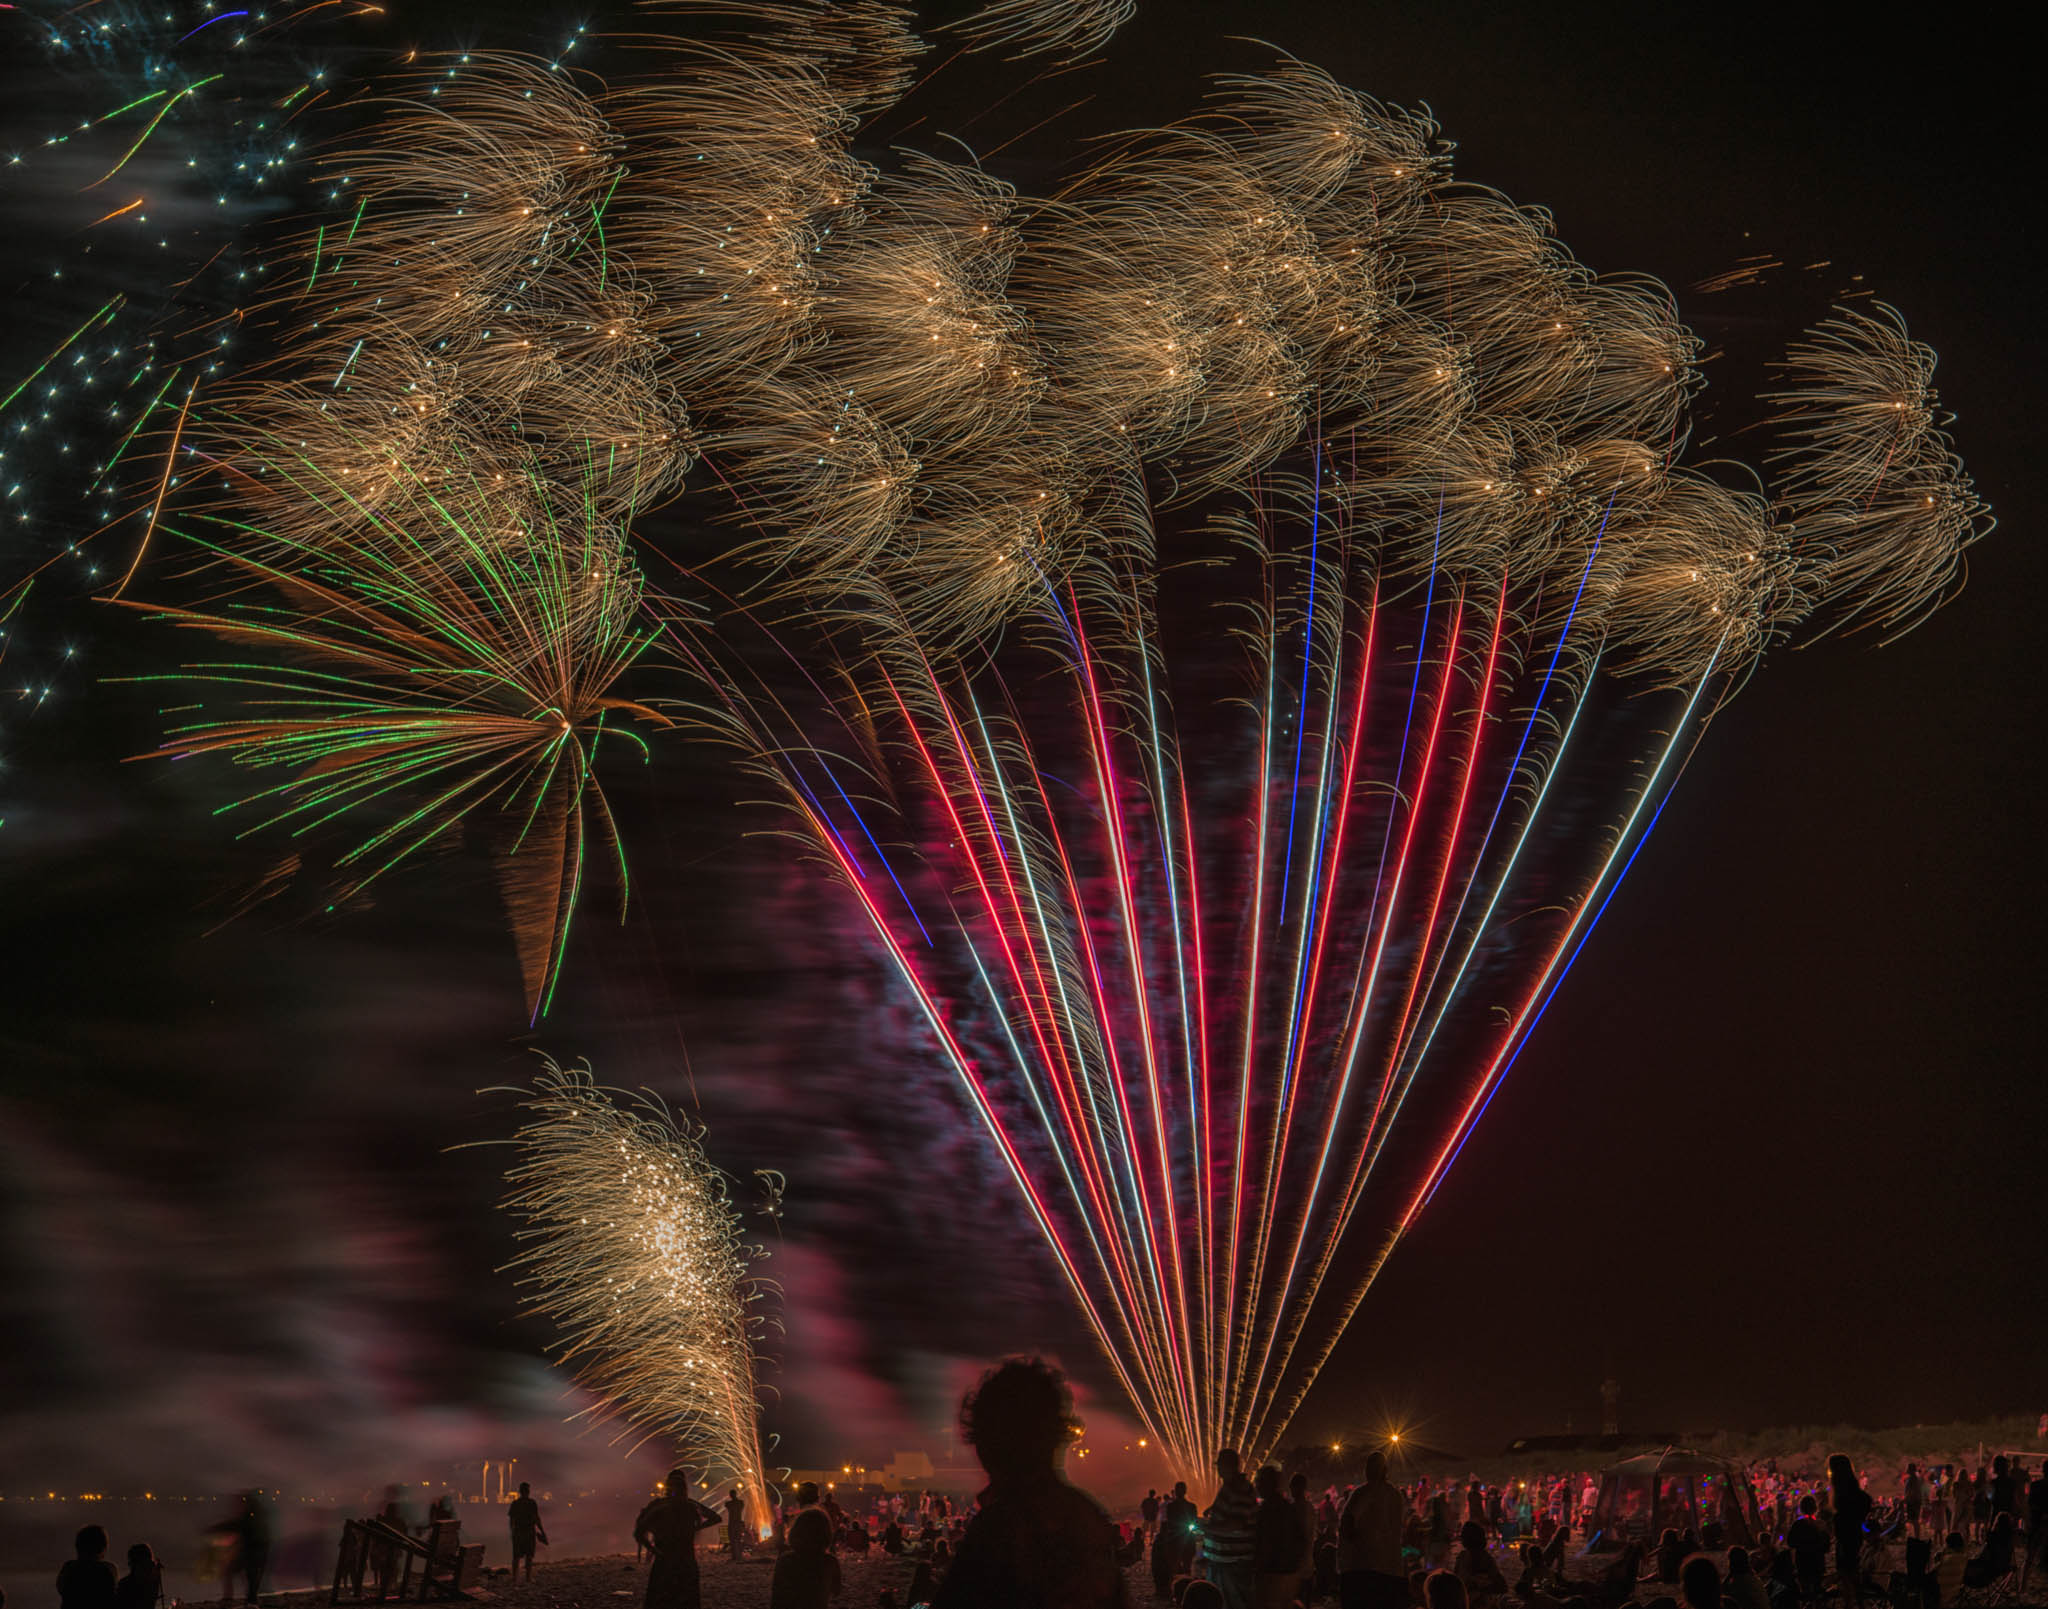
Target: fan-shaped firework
{"points": [[447, 648], [1228, 957], [635, 1253]]}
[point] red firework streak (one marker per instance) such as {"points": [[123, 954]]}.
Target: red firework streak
{"points": [[1129, 972]]}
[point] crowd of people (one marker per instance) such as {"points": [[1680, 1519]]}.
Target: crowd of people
{"points": [[1935, 1538], [1032, 1540]]}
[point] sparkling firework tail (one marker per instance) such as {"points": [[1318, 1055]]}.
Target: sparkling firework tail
{"points": [[636, 1254]]}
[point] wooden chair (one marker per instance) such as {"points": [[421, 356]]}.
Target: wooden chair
{"points": [[447, 1569]]}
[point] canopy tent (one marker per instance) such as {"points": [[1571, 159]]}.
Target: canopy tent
{"points": [[1641, 1497]]}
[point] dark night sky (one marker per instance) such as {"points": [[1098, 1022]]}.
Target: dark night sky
{"points": [[1773, 1157]]}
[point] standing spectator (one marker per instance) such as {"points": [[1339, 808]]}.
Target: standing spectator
{"points": [[1305, 1524], [668, 1527], [247, 1532], [735, 1523], [87, 1581], [1852, 1508], [524, 1517], [1035, 1542], [2037, 1525], [1149, 1510], [1227, 1527], [1808, 1544], [2005, 1490], [1916, 1497], [1371, 1573], [1173, 1547], [1278, 1550], [1439, 1533]]}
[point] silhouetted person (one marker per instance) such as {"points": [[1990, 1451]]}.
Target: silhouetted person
{"points": [[1915, 1589], [1915, 1495], [1670, 1555], [2037, 1524], [1305, 1523], [1149, 1509], [735, 1522], [1443, 1590], [1279, 1551], [143, 1585], [1474, 1567], [1744, 1588], [1438, 1534], [922, 1586], [87, 1581], [1852, 1508], [1173, 1543], [807, 1576], [2005, 1489], [1227, 1532], [1700, 1583], [1950, 1569], [1036, 1542], [1370, 1571], [668, 1528], [1808, 1543], [248, 1535], [524, 1518], [384, 1554]]}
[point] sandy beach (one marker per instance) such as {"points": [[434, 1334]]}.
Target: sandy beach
{"points": [[618, 1582]]}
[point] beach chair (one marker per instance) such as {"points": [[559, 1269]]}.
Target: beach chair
{"points": [[1992, 1594], [449, 1568]]}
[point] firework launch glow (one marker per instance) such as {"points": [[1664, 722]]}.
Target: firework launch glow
{"points": [[1252, 605], [635, 1251]]}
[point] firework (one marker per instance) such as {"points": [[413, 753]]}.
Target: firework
{"points": [[445, 650], [1228, 957], [635, 1253], [1068, 29], [150, 140], [1869, 480]]}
